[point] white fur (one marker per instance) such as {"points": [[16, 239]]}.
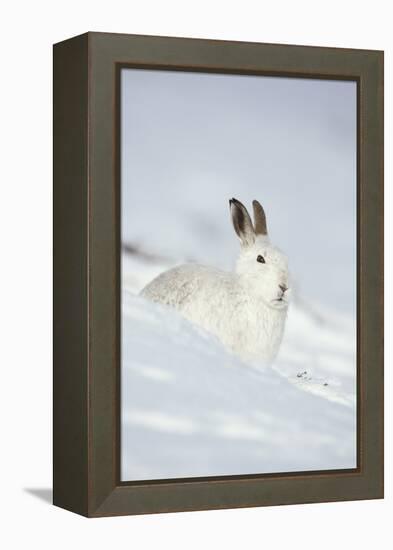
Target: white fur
{"points": [[246, 309]]}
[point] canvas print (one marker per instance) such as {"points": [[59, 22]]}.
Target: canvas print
{"points": [[238, 274]]}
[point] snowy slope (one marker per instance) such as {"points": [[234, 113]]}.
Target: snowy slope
{"points": [[190, 408]]}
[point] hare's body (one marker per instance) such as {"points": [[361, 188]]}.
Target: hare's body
{"points": [[246, 309], [224, 304]]}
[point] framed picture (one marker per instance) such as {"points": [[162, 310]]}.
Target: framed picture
{"points": [[218, 274]]}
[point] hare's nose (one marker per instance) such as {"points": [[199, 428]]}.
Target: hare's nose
{"points": [[283, 288]]}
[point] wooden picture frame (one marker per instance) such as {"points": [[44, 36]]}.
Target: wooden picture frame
{"points": [[86, 274]]}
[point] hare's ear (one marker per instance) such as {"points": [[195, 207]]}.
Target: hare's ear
{"points": [[242, 222], [259, 219]]}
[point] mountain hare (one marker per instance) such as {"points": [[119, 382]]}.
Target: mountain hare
{"points": [[246, 309]]}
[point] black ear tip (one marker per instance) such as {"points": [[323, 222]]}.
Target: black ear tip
{"points": [[257, 204]]}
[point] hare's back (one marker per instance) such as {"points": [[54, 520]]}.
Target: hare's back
{"points": [[186, 283]]}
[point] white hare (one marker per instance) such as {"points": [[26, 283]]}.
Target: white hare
{"points": [[246, 309]]}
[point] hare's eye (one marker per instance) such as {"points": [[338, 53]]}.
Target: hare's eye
{"points": [[261, 259]]}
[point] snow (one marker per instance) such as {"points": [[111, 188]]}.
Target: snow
{"points": [[191, 408]]}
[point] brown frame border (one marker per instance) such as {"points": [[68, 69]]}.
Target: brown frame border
{"points": [[86, 274]]}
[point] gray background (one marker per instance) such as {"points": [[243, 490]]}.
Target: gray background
{"points": [[190, 141]]}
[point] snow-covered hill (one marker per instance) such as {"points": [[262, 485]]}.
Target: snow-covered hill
{"points": [[191, 408]]}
